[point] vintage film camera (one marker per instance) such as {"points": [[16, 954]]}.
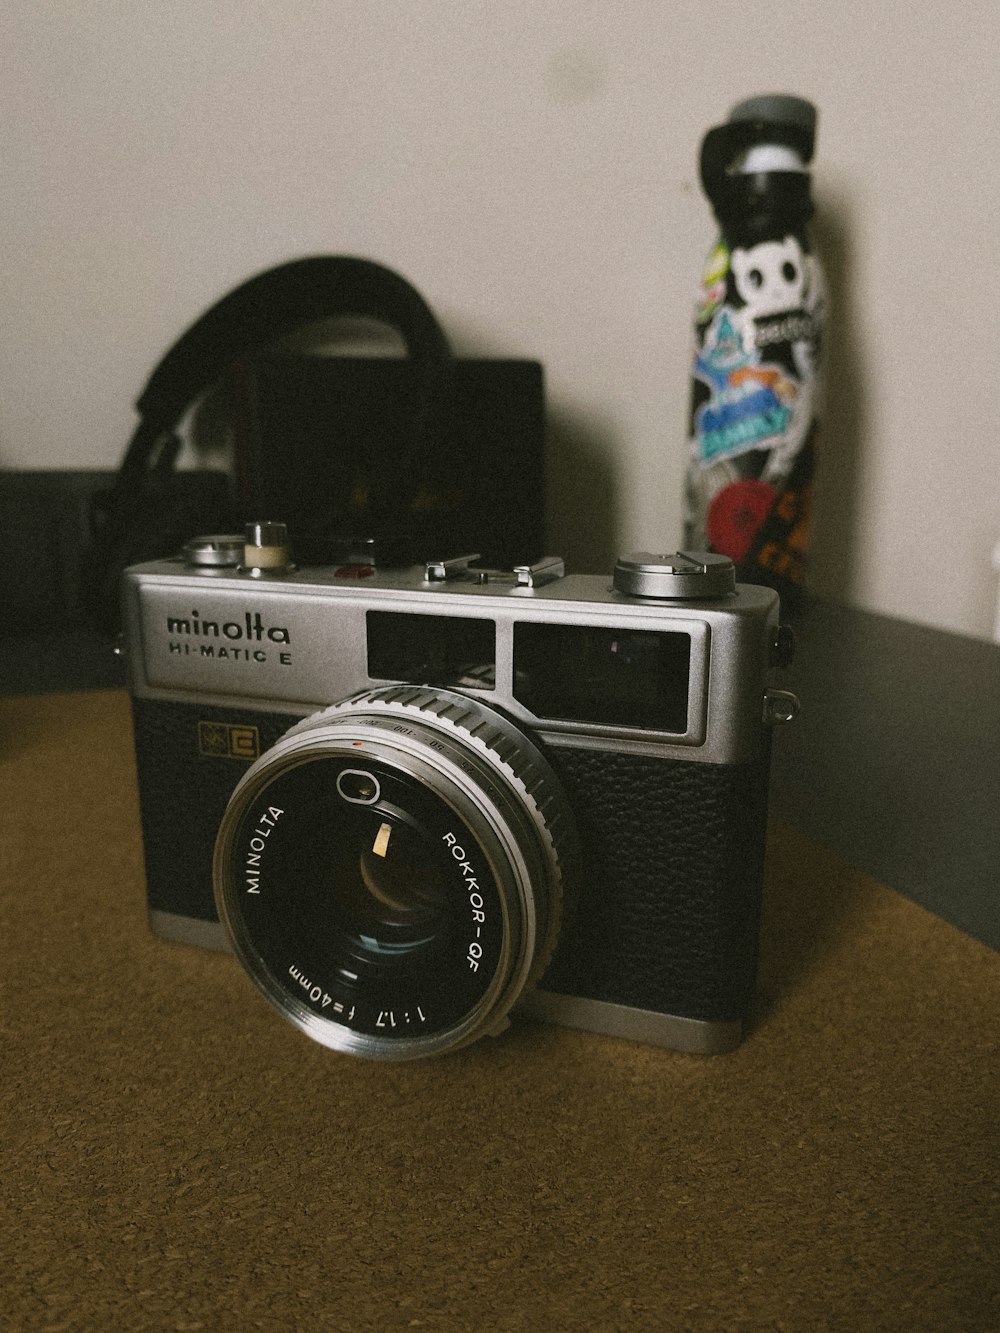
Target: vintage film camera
{"points": [[521, 788]]}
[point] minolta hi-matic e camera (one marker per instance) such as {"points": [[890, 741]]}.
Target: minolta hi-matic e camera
{"points": [[410, 800]]}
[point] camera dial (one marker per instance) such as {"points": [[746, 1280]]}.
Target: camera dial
{"points": [[681, 574], [391, 873], [265, 550], [214, 551]]}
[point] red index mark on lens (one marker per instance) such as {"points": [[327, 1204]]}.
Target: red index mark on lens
{"points": [[355, 572]]}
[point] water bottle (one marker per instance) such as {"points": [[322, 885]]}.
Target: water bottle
{"points": [[758, 324]]}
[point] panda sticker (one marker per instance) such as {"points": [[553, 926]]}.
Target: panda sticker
{"points": [[771, 277], [757, 358]]}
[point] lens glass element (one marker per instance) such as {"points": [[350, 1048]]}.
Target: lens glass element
{"points": [[359, 892]]}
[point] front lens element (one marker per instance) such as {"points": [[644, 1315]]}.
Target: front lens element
{"points": [[365, 910]]}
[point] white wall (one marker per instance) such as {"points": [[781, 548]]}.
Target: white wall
{"points": [[531, 167]]}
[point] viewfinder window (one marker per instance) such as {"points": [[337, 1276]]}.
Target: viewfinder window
{"points": [[611, 677], [450, 651]]}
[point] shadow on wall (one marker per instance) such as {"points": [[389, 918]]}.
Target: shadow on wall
{"points": [[835, 544], [582, 499]]}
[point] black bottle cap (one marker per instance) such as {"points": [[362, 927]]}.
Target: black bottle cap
{"points": [[777, 109], [760, 200]]}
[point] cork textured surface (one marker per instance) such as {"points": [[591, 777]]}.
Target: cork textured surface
{"points": [[176, 1156]]}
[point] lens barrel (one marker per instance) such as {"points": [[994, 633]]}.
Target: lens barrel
{"points": [[391, 873]]}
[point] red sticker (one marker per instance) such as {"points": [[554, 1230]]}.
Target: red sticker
{"points": [[735, 515]]}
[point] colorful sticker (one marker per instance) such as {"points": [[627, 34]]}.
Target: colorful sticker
{"points": [[753, 406], [713, 283]]}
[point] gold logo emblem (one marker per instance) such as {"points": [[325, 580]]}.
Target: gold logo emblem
{"points": [[226, 740]]}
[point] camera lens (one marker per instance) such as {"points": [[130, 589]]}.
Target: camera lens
{"points": [[364, 900], [390, 874]]}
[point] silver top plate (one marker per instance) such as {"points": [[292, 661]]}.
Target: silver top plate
{"points": [[299, 642]]}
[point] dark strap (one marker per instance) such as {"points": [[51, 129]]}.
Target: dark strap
{"points": [[143, 514], [275, 303]]}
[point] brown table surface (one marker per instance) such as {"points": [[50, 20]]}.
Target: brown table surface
{"points": [[177, 1157]]}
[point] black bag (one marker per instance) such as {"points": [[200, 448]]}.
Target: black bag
{"points": [[423, 457], [329, 442]]}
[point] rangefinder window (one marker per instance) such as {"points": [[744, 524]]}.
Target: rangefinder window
{"points": [[613, 677], [449, 651]]}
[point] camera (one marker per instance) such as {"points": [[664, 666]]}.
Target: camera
{"points": [[411, 800]]}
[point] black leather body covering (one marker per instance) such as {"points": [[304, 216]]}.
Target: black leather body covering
{"points": [[665, 916]]}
